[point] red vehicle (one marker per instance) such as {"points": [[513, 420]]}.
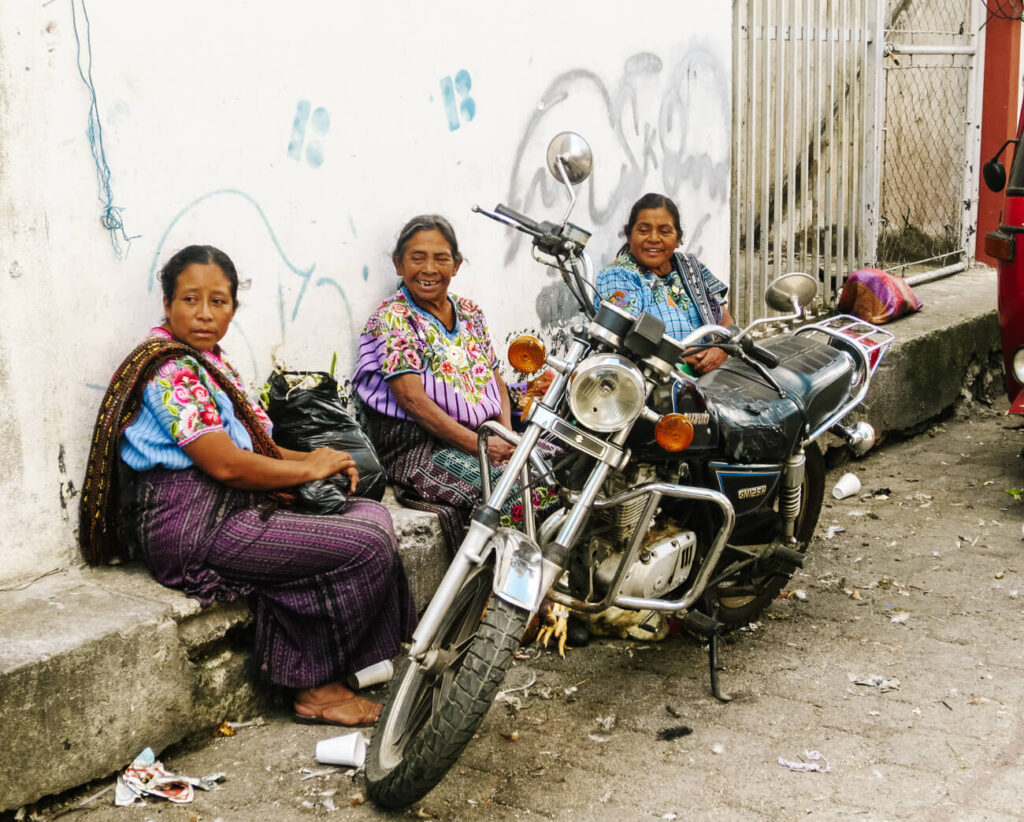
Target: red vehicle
{"points": [[1006, 244]]}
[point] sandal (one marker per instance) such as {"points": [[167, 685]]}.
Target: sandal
{"points": [[334, 704]]}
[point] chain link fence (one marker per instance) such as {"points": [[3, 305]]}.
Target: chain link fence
{"points": [[927, 72]]}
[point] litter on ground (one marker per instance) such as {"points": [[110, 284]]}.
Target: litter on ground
{"points": [[813, 763], [883, 683], [146, 777]]}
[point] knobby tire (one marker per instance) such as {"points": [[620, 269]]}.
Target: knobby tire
{"points": [[454, 719]]}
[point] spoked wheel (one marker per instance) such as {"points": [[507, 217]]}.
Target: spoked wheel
{"points": [[754, 594], [436, 707]]}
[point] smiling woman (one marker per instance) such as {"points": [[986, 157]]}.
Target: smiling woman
{"points": [[427, 375], [650, 275]]}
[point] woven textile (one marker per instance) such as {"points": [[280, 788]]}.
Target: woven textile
{"points": [[329, 593]]}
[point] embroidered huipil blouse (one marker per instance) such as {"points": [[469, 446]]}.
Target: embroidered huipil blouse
{"points": [[682, 300], [457, 366], [181, 403]]}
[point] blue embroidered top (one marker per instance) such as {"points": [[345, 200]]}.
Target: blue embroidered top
{"points": [[181, 403], [684, 299]]}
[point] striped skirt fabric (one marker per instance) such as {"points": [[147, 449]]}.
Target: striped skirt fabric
{"points": [[329, 593], [431, 476]]}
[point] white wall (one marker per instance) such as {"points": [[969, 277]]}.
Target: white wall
{"points": [[197, 102]]}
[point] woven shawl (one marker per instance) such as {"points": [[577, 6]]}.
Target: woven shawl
{"points": [[101, 532]]}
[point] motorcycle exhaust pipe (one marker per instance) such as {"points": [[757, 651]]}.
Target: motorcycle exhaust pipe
{"points": [[860, 437]]}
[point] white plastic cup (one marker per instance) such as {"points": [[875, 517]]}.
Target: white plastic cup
{"points": [[348, 750], [847, 486], [371, 675]]}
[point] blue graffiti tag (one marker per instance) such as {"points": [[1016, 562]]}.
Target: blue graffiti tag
{"points": [[304, 273], [467, 107], [320, 120]]}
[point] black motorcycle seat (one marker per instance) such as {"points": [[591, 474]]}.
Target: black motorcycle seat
{"points": [[754, 422]]}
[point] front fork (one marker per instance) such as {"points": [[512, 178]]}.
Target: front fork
{"points": [[487, 517]]}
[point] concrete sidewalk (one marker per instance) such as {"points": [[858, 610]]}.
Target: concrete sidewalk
{"points": [[97, 664]]}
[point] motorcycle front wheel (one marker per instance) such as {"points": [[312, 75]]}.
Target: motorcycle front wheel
{"points": [[432, 713], [754, 594]]}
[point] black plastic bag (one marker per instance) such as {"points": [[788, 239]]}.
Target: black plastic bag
{"points": [[308, 413]]}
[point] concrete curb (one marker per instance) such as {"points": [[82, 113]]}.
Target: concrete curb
{"points": [[97, 664]]}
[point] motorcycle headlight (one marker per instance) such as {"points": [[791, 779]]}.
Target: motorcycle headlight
{"points": [[1018, 364], [607, 393]]}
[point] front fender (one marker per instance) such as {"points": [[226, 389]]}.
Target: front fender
{"points": [[518, 569]]}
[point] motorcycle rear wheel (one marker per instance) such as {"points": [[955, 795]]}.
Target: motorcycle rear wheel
{"points": [[736, 611], [430, 717]]}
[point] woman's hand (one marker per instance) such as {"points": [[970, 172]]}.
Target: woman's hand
{"points": [[216, 455], [707, 360], [326, 462], [498, 450]]}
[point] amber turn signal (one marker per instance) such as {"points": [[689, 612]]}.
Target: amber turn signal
{"points": [[674, 432], [527, 354]]}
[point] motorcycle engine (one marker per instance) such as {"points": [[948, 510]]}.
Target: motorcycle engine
{"points": [[665, 556]]}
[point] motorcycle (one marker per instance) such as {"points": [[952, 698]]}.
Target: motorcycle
{"points": [[692, 498]]}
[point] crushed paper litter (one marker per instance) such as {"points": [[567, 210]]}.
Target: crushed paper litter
{"points": [[146, 777], [812, 765], [883, 683]]}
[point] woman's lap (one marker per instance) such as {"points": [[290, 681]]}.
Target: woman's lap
{"points": [[330, 593], [291, 545]]}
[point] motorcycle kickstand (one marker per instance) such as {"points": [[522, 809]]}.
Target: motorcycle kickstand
{"points": [[716, 688], [710, 628]]}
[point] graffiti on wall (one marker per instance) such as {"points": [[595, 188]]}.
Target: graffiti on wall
{"points": [[319, 123], [458, 104], [287, 307], [645, 147]]}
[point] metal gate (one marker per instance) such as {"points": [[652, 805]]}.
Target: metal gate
{"points": [[928, 206], [806, 117], [815, 186]]}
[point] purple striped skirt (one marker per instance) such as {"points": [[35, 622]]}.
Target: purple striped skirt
{"points": [[329, 593]]}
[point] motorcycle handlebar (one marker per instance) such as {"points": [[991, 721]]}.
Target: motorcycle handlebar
{"points": [[762, 355], [522, 219]]}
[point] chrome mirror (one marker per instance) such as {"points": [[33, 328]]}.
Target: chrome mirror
{"points": [[570, 161], [569, 158], [791, 292]]}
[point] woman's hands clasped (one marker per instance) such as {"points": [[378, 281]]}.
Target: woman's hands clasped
{"points": [[707, 360], [326, 462]]}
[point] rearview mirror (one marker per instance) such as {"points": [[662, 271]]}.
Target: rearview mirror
{"points": [[791, 292], [994, 174], [569, 158]]}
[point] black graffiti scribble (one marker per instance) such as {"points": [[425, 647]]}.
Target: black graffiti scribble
{"points": [[653, 150]]}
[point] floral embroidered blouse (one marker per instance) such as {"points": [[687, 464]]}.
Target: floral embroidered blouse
{"points": [[669, 298], [181, 403], [457, 366]]}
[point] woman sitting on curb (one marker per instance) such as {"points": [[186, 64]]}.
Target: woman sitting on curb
{"points": [[210, 504]]}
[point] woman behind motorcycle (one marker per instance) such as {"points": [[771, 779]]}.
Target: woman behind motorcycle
{"points": [[428, 376], [650, 275]]}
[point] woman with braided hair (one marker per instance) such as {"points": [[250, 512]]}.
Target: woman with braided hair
{"points": [[209, 507]]}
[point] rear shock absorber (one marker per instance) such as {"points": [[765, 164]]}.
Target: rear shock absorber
{"points": [[791, 495]]}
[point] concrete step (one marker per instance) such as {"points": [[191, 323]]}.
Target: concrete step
{"points": [[97, 664]]}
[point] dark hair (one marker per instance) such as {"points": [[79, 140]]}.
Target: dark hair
{"points": [[650, 200], [426, 222], [204, 255]]}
